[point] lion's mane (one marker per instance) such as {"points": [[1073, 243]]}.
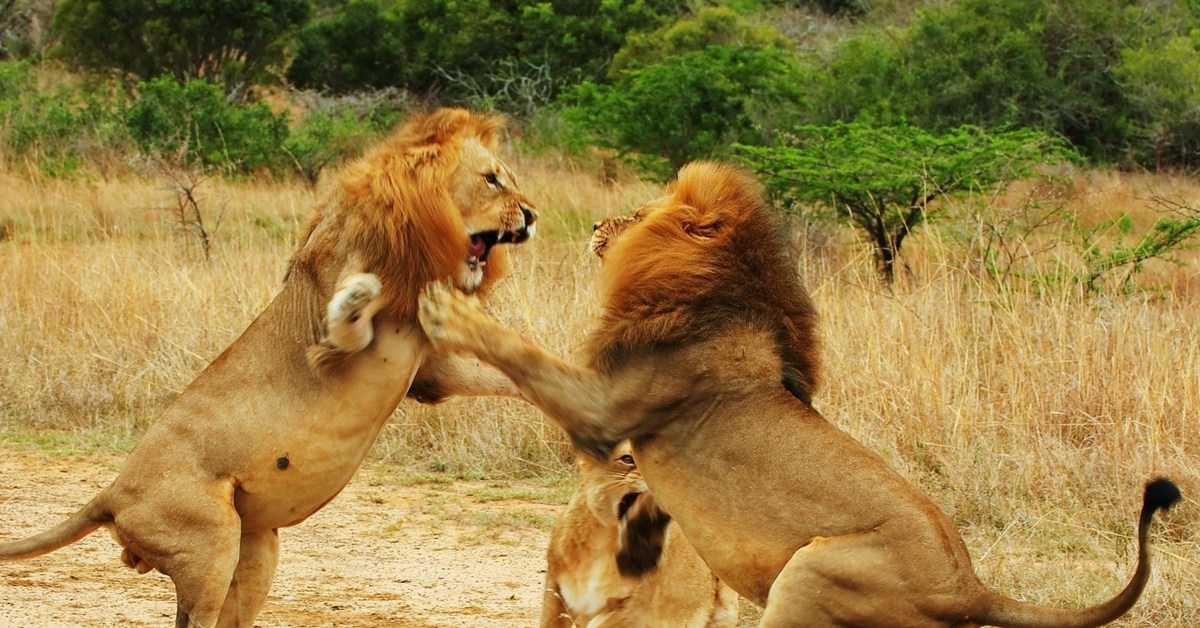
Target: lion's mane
{"points": [[391, 213], [716, 255]]}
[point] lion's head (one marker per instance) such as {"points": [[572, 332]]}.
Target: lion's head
{"points": [[613, 486], [430, 202], [709, 253]]}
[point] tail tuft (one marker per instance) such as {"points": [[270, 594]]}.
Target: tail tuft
{"points": [[1160, 494]]}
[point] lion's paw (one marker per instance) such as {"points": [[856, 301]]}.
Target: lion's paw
{"points": [[447, 316], [354, 294]]}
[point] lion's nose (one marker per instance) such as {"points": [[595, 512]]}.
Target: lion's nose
{"points": [[530, 216], [595, 226]]}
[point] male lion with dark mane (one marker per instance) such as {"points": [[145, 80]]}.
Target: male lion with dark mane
{"points": [[704, 358], [278, 423]]}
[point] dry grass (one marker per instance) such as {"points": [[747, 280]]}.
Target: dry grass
{"points": [[1033, 420]]}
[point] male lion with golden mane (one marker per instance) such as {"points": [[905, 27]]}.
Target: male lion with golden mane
{"points": [[262, 439], [585, 586], [703, 358]]}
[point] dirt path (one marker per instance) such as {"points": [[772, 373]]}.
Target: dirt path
{"points": [[386, 552]]}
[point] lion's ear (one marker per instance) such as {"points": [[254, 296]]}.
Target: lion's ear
{"points": [[702, 229]]}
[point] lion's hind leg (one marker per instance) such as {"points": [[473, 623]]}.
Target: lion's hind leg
{"points": [[843, 581], [349, 326], [251, 580]]}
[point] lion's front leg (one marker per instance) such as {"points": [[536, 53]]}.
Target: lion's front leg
{"points": [[587, 404]]}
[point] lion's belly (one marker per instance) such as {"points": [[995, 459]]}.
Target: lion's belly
{"points": [[287, 489], [309, 456]]}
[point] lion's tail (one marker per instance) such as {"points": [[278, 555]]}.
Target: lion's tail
{"points": [[82, 523], [1160, 494]]}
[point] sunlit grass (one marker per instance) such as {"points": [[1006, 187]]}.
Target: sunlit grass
{"points": [[1032, 417]]}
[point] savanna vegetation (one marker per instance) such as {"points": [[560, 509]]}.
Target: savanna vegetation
{"points": [[994, 199]]}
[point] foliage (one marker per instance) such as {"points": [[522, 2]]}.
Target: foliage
{"points": [[711, 26], [21, 35], [1161, 79], [233, 43], [334, 129], [197, 122], [361, 47], [56, 128], [1039, 64], [688, 91], [884, 178], [431, 46], [1040, 242], [1168, 235]]}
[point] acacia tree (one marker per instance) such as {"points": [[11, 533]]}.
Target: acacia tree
{"points": [[234, 43], [884, 178]]}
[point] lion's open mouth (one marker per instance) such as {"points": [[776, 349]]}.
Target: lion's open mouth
{"points": [[482, 242], [626, 503]]}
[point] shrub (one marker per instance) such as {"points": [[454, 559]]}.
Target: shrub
{"points": [[58, 128], [196, 122], [689, 92]]}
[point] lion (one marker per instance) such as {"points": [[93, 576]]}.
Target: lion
{"points": [[701, 358], [585, 587], [278, 423]]}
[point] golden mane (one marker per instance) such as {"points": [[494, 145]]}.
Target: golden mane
{"points": [[713, 254], [390, 212]]}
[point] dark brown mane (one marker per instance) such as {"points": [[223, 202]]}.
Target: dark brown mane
{"points": [[390, 212], [715, 256]]}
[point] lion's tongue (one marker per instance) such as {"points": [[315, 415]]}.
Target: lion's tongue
{"points": [[477, 247]]}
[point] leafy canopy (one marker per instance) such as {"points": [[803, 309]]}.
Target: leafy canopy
{"points": [[884, 178], [234, 43]]}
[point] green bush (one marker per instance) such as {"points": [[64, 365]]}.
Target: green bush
{"points": [[692, 106], [60, 127], [323, 138], [196, 122]]}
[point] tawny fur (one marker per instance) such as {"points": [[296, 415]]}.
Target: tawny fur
{"points": [[705, 358], [584, 586], [261, 440]]}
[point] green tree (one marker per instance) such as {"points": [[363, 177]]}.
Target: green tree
{"points": [[884, 178], [233, 43]]}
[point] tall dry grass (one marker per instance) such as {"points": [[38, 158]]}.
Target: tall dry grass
{"points": [[1033, 418]]}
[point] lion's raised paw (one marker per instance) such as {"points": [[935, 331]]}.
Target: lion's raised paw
{"points": [[449, 316], [355, 293]]}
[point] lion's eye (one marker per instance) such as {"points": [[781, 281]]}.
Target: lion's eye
{"points": [[627, 459], [491, 179]]}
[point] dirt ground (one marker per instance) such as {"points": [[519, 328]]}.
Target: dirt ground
{"points": [[389, 551]]}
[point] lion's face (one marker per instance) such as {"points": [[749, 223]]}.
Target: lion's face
{"points": [[494, 211], [606, 231], [613, 487]]}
